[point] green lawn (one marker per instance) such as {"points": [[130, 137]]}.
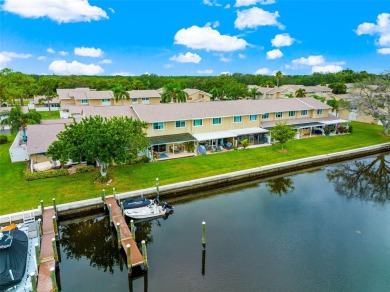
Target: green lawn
{"points": [[16, 194], [47, 116]]}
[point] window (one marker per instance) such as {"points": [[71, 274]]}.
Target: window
{"points": [[105, 100], [145, 100], [319, 112], [134, 100], [237, 119], [198, 122], [291, 113], [217, 121], [253, 118], [279, 114], [180, 124], [84, 101], [265, 116], [158, 126], [303, 112]]}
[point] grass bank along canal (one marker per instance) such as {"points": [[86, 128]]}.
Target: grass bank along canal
{"points": [[320, 230]]}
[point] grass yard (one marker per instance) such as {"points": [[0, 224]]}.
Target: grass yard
{"points": [[16, 194], [47, 116]]}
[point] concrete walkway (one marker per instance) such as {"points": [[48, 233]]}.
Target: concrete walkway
{"points": [[217, 180]]}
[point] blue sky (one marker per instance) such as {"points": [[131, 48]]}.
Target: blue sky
{"points": [[194, 37]]}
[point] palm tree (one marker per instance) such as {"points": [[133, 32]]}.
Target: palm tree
{"points": [[301, 92], [215, 93], [18, 119], [337, 105], [47, 88], [173, 93], [278, 77], [253, 92], [120, 93]]}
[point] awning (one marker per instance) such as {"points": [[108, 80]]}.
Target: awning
{"points": [[311, 125], [214, 135], [333, 122], [168, 139], [249, 131]]}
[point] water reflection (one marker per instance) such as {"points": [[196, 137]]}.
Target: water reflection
{"points": [[280, 185], [364, 179], [94, 240], [144, 229]]}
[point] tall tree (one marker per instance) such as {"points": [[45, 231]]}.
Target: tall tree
{"points": [[278, 77], [120, 93], [20, 86], [4, 80], [300, 92], [337, 104], [18, 120], [47, 89], [282, 133], [338, 88], [215, 93], [253, 92], [103, 140], [173, 93], [372, 98]]}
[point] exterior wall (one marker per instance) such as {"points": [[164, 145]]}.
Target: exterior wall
{"points": [[18, 150], [35, 158], [139, 101], [92, 102], [197, 96]]}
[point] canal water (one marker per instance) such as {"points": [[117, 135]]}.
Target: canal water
{"points": [[326, 229]]}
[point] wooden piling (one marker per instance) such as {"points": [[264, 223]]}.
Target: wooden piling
{"points": [[37, 254], [128, 253], [132, 229], [110, 212], [55, 251], [104, 196], [114, 194], [53, 279], [42, 207], [204, 234], [144, 255], [40, 230], [122, 209], [118, 233], [55, 226], [33, 279], [55, 208]]}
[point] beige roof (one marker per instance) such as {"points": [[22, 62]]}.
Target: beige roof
{"points": [[144, 93], [108, 111], [56, 121], [191, 91], [83, 93], [40, 137], [188, 111], [317, 88], [37, 98]]}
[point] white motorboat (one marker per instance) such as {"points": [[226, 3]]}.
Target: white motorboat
{"points": [[151, 211]]}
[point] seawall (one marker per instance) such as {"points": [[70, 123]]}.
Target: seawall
{"points": [[82, 207]]}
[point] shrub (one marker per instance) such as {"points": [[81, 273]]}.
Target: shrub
{"points": [[3, 139], [145, 159], [85, 169], [102, 179], [29, 176], [350, 128], [245, 143]]}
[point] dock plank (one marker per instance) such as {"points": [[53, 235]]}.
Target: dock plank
{"points": [[44, 280]]}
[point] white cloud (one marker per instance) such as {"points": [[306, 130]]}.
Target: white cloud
{"points": [[211, 3], [122, 73], [168, 66], [41, 58], [240, 3], [282, 40], [6, 57], [112, 10], [262, 71], [88, 52], [241, 56], [222, 58], [50, 50], [226, 73], [186, 58], [311, 60], [274, 54], [106, 61], [59, 11], [61, 67], [227, 6], [327, 69], [209, 39], [254, 17], [63, 53], [207, 71], [382, 28], [383, 51]]}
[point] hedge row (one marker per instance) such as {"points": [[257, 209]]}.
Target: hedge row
{"points": [[45, 174], [84, 169]]}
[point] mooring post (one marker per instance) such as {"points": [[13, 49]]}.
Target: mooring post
{"points": [[40, 227], [53, 279], [42, 207], [132, 229], [204, 234], [37, 254], [55, 208], [128, 252], [104, 196], [114, 193], [55, 226], [118, 233], [55, 251], [144, 255], [110, 212], [33, 282], [157, 190], [122, 208]]}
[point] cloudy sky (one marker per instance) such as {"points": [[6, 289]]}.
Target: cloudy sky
{"points": [[194, 37]]}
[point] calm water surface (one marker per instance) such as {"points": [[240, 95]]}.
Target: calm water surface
{"points": [[323, 230]]}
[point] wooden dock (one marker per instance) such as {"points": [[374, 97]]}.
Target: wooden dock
{"points": [[126, 237], [47, 253]]}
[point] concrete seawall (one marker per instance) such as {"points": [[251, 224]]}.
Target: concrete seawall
{"points": [[176, 189]]}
